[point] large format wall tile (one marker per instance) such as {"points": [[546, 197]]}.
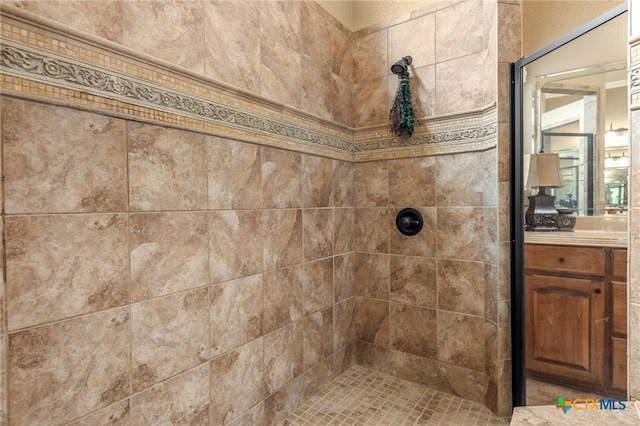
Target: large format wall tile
{"points": [[342, 230], [461, 233], [416, 37], [168, 336], [117, 414], [183, 399], [451, 42], [372, 275], [343, 187], [460, 340], [64, 370], [234, 171], [318, 337], [280, 20], [166, 168], [371, 233], [281, 178], [372, 321], [317, 181], [412, 182], [344, 270], [413, 281], [169, 253], [283, 297], [70, 265], [171, 31], [283, 355], [461, 286], [370, 56], [413, 330], [60, 160], [317, 234], [280, 72], [233, 56], [371, 100], [462, 180], [318, 285], [344, 323], [227, 258], [102, 19], [283, 243], [372, 184], [235, 314], [316, 41], [316, 91], [237, 382], [456, 88]]}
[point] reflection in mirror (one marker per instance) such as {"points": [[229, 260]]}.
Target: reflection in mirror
{"points": [[574, 106], [582, 116]]}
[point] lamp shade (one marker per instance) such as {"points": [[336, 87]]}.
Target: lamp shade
{"points": [[544, 171]]}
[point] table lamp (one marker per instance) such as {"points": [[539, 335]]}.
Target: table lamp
{"points": [[544, 172]]}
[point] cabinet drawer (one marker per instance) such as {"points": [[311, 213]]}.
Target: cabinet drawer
{"points": [[579, 260], [619, 267], [619, 296], [619, 363]]}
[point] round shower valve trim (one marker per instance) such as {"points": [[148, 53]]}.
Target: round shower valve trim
{"points": [[409, 221]]}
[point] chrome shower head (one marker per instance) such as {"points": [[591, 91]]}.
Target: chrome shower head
{"points": [[401, 67]]}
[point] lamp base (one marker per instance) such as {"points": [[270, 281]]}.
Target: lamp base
{"points": [[542, 215]]}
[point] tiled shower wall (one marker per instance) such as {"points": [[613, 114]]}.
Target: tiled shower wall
{"points": [[168, 274], [166, 223], [291, 52], [427, 308]]}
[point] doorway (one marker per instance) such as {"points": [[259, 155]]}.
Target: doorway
{"points": [[569, 285]]}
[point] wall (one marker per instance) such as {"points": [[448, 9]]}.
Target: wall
{"points": [[164, 168], [164, 268], [546, 21], [633, 341], [424, 300]]}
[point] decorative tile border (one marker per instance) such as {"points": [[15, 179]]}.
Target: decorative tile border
{"points": [[634, 74], [33, 68]]}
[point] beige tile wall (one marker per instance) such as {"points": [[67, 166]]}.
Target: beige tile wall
{"points": [[135, 286], [202, 228], [421, 299], [291, 52]]}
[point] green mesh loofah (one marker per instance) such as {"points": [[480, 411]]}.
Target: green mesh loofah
{"points": [[401, 114]]}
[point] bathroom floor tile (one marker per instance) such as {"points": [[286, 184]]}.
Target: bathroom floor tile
{"points": [[360, 396]]}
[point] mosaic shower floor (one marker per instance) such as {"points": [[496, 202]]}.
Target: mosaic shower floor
{"points": [[360, 396]]}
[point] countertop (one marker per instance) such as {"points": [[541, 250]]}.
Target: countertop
{"points": [[579, 238]]}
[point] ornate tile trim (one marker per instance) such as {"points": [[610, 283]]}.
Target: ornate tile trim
{"points": [[104, 83], [480, 133], [30, 69], [634, 75]]}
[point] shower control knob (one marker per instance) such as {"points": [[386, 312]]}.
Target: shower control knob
{"points": [[409, 221]]}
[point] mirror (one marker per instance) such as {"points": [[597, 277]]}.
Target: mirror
{"points": [[568, 297], [582, 116]]}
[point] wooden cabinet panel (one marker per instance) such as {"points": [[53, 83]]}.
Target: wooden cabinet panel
{"points": [[619, 266], [565, 322], [619, 363], [579, 260], [619, 303]]}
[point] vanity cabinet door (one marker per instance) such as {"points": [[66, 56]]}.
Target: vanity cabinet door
{"points": [[565, 322]]}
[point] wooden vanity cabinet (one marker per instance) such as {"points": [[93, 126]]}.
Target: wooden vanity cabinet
{"points": [[619, 323], [575, 315]]}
